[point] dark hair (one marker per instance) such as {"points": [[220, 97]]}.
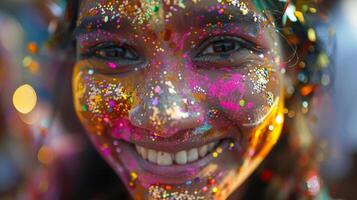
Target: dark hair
{"points": [[311, 61]]}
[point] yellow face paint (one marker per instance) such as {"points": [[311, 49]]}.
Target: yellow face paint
{"points": [[190, 102]]}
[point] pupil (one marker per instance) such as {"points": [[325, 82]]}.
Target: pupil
{"points": [[113, 52], [223, 46]]}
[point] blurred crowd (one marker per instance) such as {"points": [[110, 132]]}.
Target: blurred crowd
{"points": [[30, 138]]}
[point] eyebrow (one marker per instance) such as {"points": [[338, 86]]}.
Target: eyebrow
{"points": [[201, 18], [196, 18], [213, 16], [97, 22]]}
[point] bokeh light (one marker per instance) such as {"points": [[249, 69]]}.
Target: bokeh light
{"points": [[45, 155], [24, 99]]}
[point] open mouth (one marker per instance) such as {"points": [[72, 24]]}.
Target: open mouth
{"points": [[182, 157], [170, 166]]}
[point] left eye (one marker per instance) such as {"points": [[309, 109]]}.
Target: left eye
{"points": [[221, 47], [223, 50]]}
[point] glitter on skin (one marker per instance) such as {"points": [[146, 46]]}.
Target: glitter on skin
{"points": [[157, 192], [152, 10], [170, 87], [262, 79], [202, 129]]}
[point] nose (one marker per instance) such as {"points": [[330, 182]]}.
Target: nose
{"points": [[166, 106]]}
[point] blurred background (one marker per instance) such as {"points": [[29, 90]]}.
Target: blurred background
{"points": [[26, 80]]}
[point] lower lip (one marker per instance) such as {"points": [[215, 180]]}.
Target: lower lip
{"points": [[173, 174]]}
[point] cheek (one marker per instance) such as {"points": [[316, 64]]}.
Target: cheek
{"points": [[100, 101], [263, 91], [244, 97]]}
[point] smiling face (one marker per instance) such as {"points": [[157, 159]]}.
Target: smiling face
{"points": [[181, 99]]}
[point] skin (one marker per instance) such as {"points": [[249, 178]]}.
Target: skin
{"points": [[170, 77]]}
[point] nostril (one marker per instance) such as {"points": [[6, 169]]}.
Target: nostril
{"points": [[166, 122]]}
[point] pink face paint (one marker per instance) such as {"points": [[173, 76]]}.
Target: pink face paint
{"points": [[173, 99], [112, 65]]}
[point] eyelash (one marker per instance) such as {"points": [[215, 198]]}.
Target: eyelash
{"points": [[110, 46], [239, 43], [200, 55]]}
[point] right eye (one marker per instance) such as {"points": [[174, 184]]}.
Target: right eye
{"points": [[115, 52], [111, 58]]}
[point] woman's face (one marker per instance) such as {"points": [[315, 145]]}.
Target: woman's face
{"points": [[182, 98]]}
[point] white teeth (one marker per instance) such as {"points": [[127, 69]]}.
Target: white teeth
{"points": [[211, 146], [152, 156], [202, 151], [192, 155], [181, 157], [143, 152], [138, 149], [164, 158]]}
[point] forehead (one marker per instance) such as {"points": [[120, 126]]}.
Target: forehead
{"points": [[163, 11]]}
